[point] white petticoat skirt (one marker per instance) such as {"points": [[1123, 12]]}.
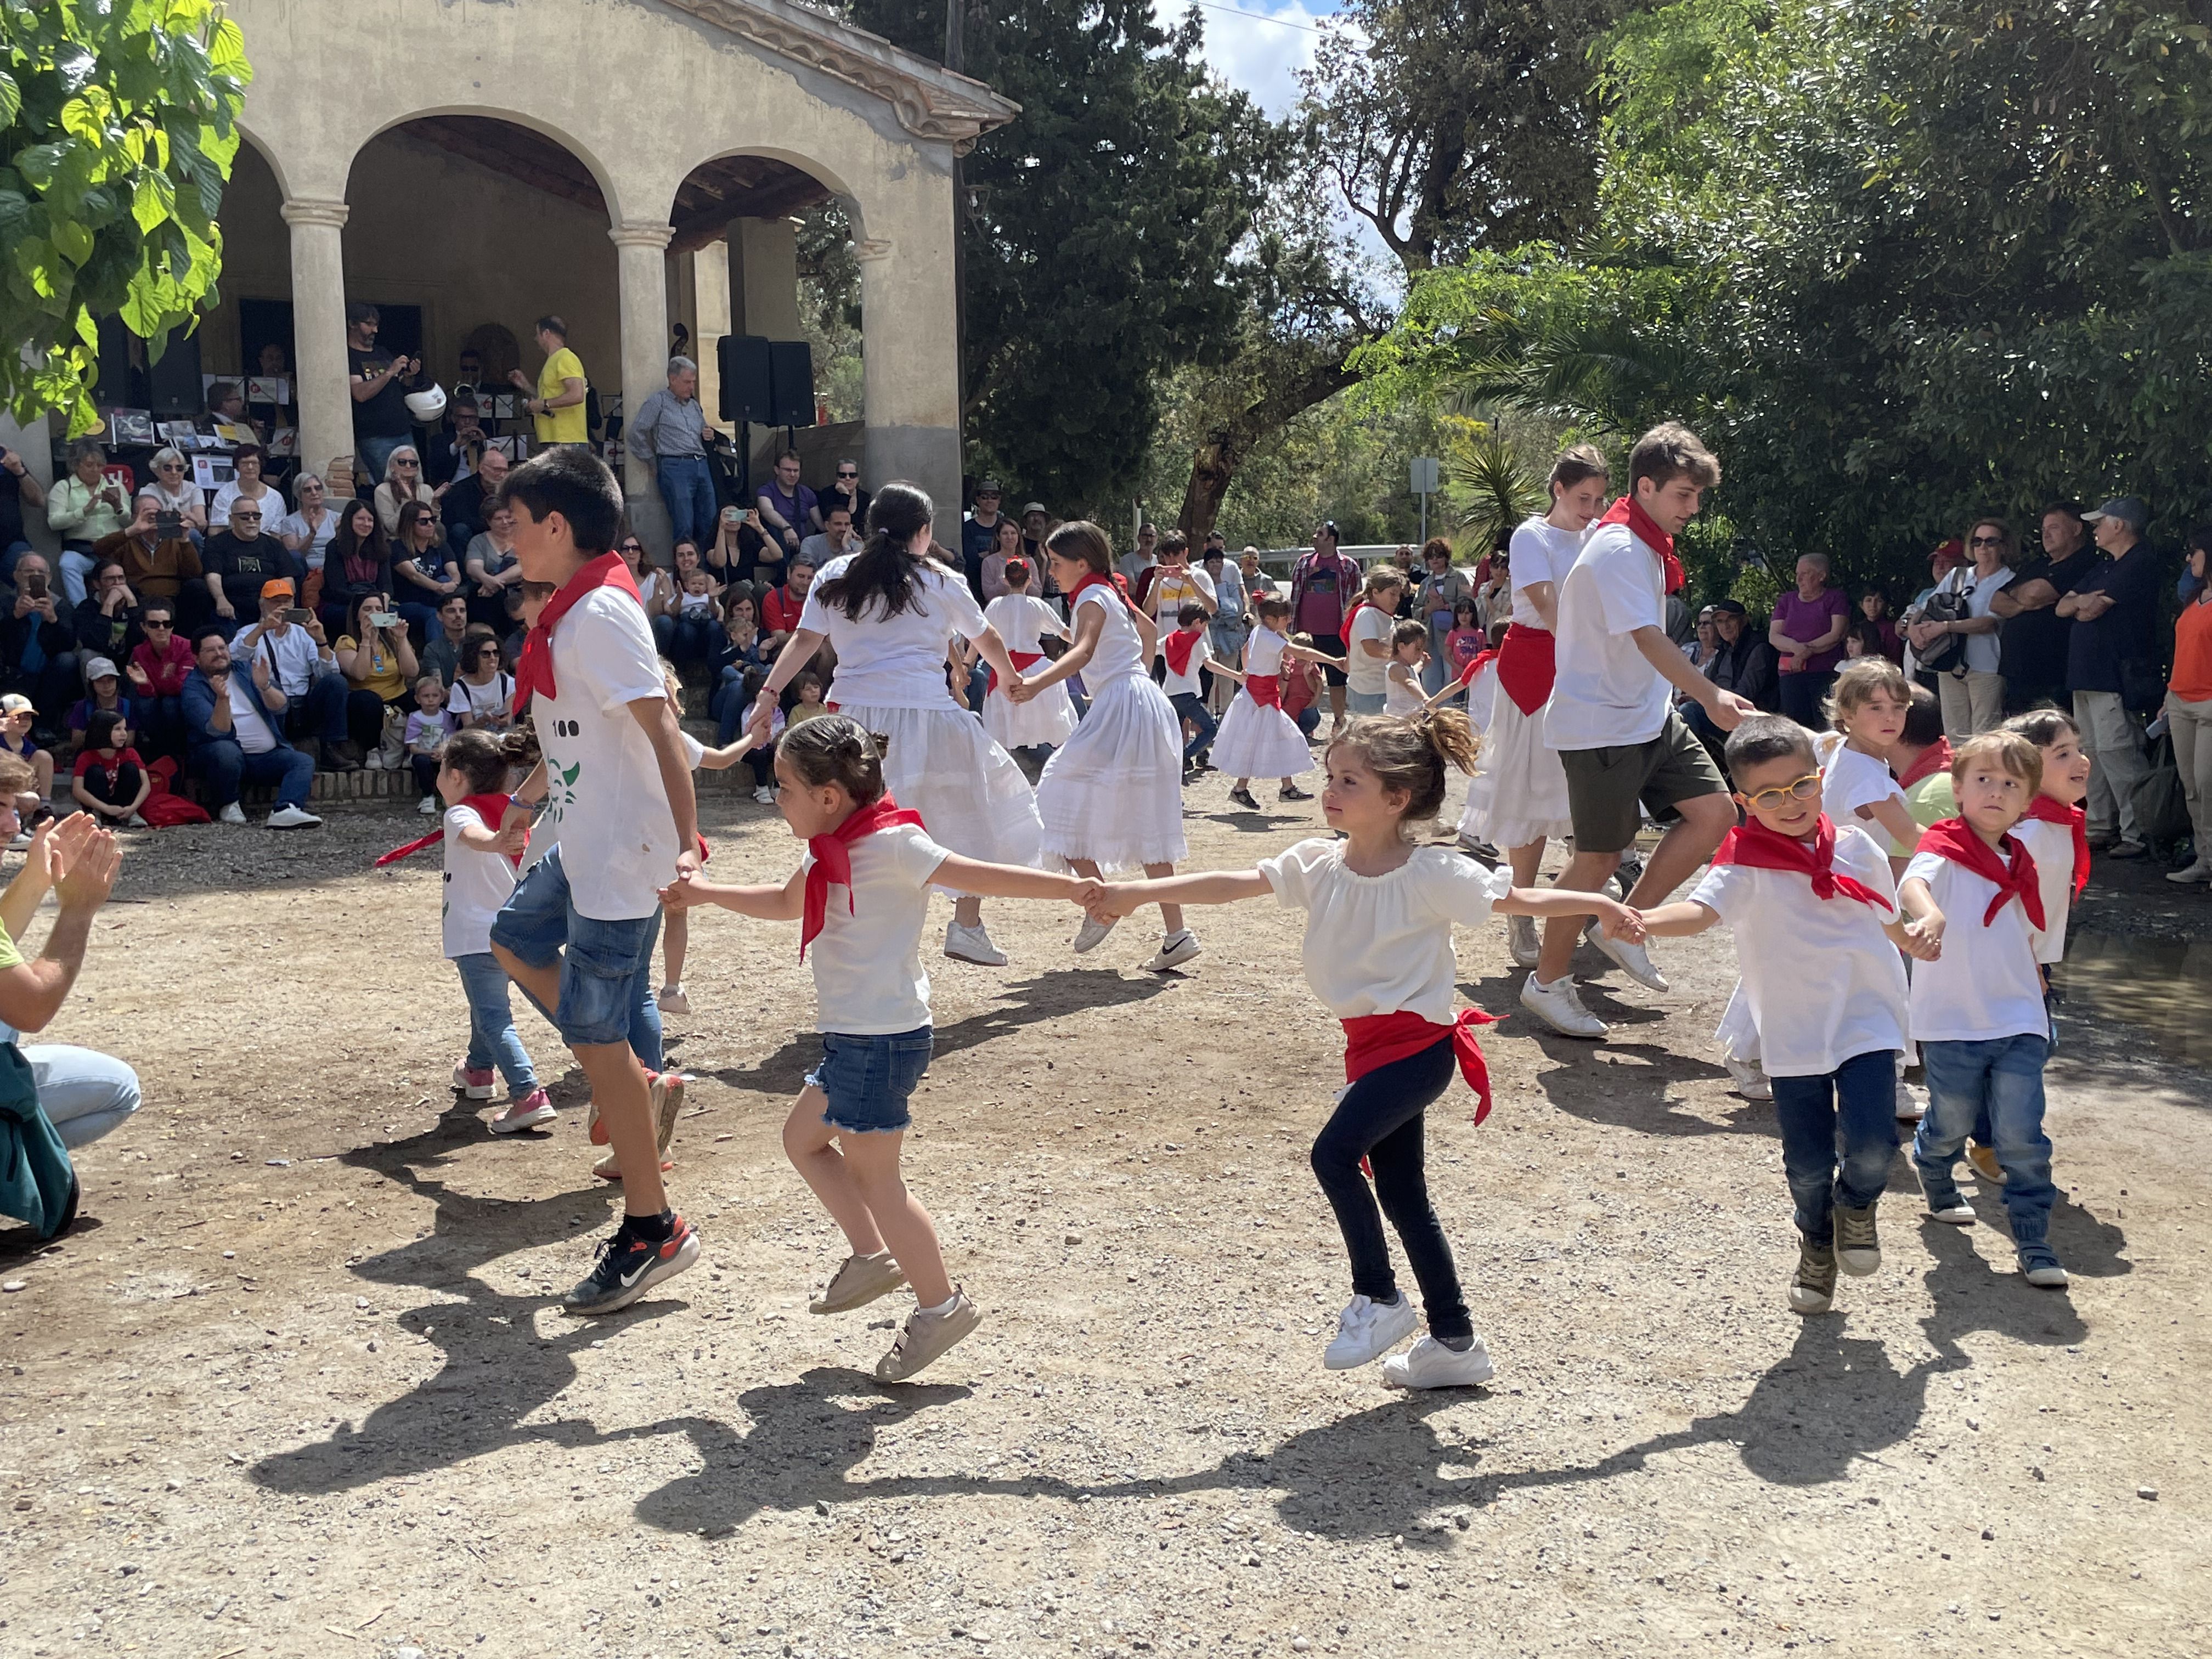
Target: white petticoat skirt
{"points": [[1520, 791], [1113, 792], [973, 799], [1256, 741], [1047, 718]]}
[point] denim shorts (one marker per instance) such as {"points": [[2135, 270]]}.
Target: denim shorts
{"points": [[868, 1078], [601, 962]]}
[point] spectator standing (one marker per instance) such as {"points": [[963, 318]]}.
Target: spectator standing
{"points": [[1323, 584], [1172, 583], [233, 724], [1971, 689], [671, 431], [1007, 546], [1256, 581], [1141, 557], [2111, 669], [106, 623], [558, 407], [846, 489], [17, 487], [1874, 610], [979, 539], [306, 530], [240, 560], [1230, 624], [2032, 637], [788, 510], [301, 669], [158, 564], [38, 642], [1807, 633], [1441, 590], [378, 380], [403, 484], [2189, 706], [837, 538], [86, 507]]}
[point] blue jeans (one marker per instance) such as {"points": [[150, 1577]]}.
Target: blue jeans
{"points": [[223, 767], [1838, 1135], [606, 967], [83, 1092], [370, 455], [2003, 1078], [687, 489], [320, 711], [728, 706], [695, 639], [1190, 707], [492, 1036], [1308, 720]]}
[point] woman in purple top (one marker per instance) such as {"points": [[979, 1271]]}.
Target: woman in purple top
{"points": [[1807, 632]]}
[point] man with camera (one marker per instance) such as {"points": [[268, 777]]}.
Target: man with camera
{"points": [[38, 642], [288, 640], [233, 726], [158, 558]]}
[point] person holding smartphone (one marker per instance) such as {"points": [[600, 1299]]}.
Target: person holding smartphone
{"points": [[38, 643], [380, 669], [289, 651], [17, 487], [85, 507]]}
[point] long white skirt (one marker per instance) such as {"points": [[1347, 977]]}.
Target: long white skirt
{"points": [[1047, 718], [1521, 793], [973, 799], [1256, 741], [1113, 792]]}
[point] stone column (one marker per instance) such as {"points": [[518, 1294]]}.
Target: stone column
{"points": [[910, 373], [319, 329], [640, 247]]}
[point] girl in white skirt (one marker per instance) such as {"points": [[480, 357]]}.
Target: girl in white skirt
{"points": [[1023, 620], [890, 611], [1111, 796], [1521, 800], [1257, 740]]}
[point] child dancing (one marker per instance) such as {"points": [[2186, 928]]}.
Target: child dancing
{"points": [[1258, 738], [864, 944], [1380, 909]]}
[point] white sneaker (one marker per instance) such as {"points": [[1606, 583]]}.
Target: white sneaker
{"points": [[1429, 1364], [1367, 1329], [233, 813], [764, 795], [134, 822], [1632, 959], [376, 762], [21, 842], [1910, 1106], [430, 806], [1175, 950], [972, 944], [671, 1000], [2201, 871], [1559, 1005], [1522, 940], [293, 817], [1746, 1078], [1092, 935]]}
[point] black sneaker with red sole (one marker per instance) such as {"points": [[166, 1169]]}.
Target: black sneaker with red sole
{"points": [[629, 1265]]}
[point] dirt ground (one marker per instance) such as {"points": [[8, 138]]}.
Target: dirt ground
{"points": [[299, 1383]]}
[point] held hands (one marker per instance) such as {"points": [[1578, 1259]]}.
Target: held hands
{"points": [[1019, 690], [1107, 902], [1617, 920], [1924, 939], [682, 893]]}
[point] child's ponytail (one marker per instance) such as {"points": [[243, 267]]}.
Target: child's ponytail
{"points": [[1410, 753]]}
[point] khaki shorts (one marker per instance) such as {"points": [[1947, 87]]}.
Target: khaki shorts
{"points": [[1606, 787]]}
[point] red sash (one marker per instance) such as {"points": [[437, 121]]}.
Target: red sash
{"points": [[1476, 664], [1526, 662], [1935, 757], [1375, 1039], [833, 862], [2014, 874], [1021, 659], [1177, 647], [1266, 690], [491, 808], [2044, 809], [1755, 847], [535, 671], [1629, 511]]}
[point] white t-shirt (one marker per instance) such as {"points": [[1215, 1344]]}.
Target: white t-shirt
{"points": [[1121, 648], [480, 700], [254, 722], [1984, 651], [1985, 985], [1375, 945], [1605, 696], [1200, 654], [1023, 621], [316, 538], [605, 804], [293, 654], [477, 884], [2051, 847], [1363, 674], [1173, 588], [271, 503], [1849, 780], [893, 662], [1540, 552], [1823, 983], [868, 980]]}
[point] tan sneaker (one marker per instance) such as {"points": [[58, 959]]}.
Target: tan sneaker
{"points": [[1812, 1287], [926, 1337], [859, 1282], [667, 1098], [1985, 1163]]}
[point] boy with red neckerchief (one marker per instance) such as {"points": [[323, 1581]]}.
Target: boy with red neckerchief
{"points": [[1978, 1008], [1815, 916], [577, 933]]}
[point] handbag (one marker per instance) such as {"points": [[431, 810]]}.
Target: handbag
{"points": [[1946, 604], [2161, 809]]}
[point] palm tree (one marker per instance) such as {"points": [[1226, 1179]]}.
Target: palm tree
{"points": [[1493, 490]]}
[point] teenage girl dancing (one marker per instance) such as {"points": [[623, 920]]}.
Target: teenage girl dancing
{"points": [[890, 610], [1378, 953], [1111, 796]]}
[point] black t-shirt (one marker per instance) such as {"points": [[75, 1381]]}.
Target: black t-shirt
{"points": [[857, 500], [464, 504], [384, 415], [2095, 649], [11, 509], [2034, 643], [245, 565]]}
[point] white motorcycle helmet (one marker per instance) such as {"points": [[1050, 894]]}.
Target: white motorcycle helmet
{"points": [[427, 406]]}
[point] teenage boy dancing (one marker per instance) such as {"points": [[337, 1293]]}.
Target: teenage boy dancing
{"points": [[578, 933]]}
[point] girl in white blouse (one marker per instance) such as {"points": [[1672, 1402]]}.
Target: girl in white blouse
{"points": [[1379, 909]]}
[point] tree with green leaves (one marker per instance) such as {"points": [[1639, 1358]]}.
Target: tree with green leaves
{"points": [[117, 128]]}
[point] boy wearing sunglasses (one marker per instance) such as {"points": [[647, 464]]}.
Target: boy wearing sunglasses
{"points": [[1814, 911]]}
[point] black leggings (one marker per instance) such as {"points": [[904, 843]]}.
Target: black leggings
{"points": [[1380, 1119]]}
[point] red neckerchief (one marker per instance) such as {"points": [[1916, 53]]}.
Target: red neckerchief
{"points": [[1177, 647], [1344, 623], [2044, 810], [1528, 662], [1113, 584], [1476, 664], [1755, 847], [2014, 873], [535, 671], [1375, 1039], [1021, 659], [833, 862], [1935, 757], [1629, 511], [491, 808]]}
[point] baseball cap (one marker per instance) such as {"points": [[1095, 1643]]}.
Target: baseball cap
{"points": [[2127, 509], [16, 703], [1729, 607], [100, 668], [1951, 552], [989, 487], [280, 588]]}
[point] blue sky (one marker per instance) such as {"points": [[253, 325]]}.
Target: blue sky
{"points": [[1260, 57]]}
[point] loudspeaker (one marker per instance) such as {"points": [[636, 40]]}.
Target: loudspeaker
{"points": [[791, 383], [170, 388], [744, 364]]}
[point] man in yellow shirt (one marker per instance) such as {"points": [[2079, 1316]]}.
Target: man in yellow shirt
{"points": [[558, 407]]}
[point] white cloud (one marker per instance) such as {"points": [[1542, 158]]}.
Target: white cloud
{"points": [[1251, 54]]}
